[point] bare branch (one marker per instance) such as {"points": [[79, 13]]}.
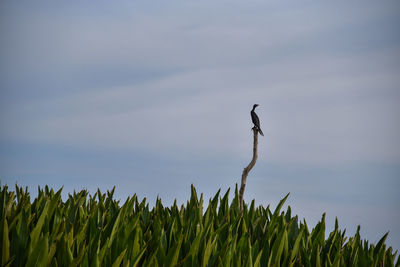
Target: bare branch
{"points": [[249, 167]]}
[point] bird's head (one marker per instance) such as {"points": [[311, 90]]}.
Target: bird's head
{"points": [[255, 105]]}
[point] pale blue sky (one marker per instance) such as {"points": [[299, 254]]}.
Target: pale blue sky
{"points": [[152, 96]]}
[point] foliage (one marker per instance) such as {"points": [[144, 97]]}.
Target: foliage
{"points": [[97, 231]]}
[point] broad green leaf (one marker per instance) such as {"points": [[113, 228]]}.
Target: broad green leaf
{"points": [[38, 257], [37, 229], [119, 259], [380, 244], [257, 262], [278, 208], [296, 245], [173, 255], [208, 249], [5, 242], [194, 248], [138, 257], [116, 224], [277, 248]]}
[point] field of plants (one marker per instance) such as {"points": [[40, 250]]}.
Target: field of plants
{"points": [[97, 230]]}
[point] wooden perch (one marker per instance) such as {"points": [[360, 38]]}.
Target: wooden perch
{"points": [[249, 167]]}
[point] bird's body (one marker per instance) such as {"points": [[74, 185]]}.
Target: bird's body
{"points": [[256, 120]]}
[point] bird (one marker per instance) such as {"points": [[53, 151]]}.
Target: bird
{"points": [[256, 120]]}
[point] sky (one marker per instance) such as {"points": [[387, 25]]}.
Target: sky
{"points": [[153, 96]]}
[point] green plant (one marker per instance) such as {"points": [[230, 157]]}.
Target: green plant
{"points": [[96, 230]]}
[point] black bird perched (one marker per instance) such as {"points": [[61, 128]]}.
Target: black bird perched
{"points": [[256, 120]]}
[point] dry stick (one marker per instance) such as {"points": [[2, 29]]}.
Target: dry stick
{"points": [[249, 167]]}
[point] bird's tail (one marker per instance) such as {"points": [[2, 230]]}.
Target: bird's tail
{"points": [[259, 130]]}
